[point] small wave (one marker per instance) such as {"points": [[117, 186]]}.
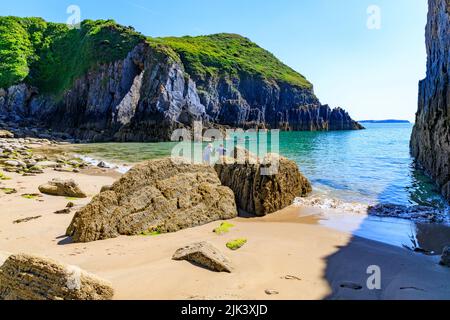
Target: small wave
{"points": [[96, 162], [332, 204]]}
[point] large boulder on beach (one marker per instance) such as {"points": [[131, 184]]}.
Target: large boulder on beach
{"points": [[26, 277], [156, 196], [205, 255], [63, 188], [262, 186]]}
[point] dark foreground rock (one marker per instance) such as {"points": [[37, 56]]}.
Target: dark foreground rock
{"points": [[156, 196], [262, 186], [25, 277], [430, 143], [205, 255], [415, 213]]}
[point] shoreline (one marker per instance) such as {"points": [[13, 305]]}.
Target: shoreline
{"points": [[308, 260]]}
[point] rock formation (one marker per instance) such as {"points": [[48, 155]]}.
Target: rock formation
{"points": [[145, 92], [205, 255], [156, 196], [430, 142], [25, 277], [262, 186], [63, 188]]}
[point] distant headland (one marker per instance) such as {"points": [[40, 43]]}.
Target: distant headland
{"points": [[385, 121]]}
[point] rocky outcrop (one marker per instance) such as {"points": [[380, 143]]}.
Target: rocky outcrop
{"points": [[63, 188], [262, 186], [147, 95], [416, 213], [430, 142], [25, 277], [156, 196], [206, 255]]}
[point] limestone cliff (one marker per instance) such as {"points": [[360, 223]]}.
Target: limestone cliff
{"points": [[119, 85], [430, 142]]}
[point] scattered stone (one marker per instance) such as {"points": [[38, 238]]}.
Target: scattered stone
{"points": [[70, 205], [156, 195], [205, 255], [64, 169], [36, 170], [9, 190], [25, 277], [14, 163], [63, 211], [236, 244], [6, 134], [47, 164], [445, 258], [63, 188], [289, 277], [26, 219], [271, 292], [103, 165], [262, 186]]}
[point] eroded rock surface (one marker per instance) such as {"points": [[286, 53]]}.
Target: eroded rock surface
{"points": [[262, 186], [159, 196], [430, 142], [25, 277], [205, 255]]}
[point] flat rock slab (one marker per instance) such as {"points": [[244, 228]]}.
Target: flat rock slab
{"points": [[206, 255], [25, 277]]}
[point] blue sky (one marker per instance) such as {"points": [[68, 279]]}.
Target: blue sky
{"points": [[373, 73]]}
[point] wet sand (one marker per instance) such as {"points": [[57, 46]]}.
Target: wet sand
{"points": [[291, 252]]}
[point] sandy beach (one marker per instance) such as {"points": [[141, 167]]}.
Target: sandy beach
{"points": [[287, 252]]}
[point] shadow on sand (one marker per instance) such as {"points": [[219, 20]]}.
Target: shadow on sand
{"points": [[404, 273]]}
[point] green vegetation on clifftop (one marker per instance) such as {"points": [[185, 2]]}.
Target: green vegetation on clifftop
{"points": [[51, 56], [233, 55]]}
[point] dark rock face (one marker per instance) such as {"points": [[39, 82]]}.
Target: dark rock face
{"points": [[148, 95], [430, 142]]}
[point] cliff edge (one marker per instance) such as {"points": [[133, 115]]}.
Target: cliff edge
{"points": [[430, 143]]}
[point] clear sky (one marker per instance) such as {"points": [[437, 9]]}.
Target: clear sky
{"points": [[373, 73]]}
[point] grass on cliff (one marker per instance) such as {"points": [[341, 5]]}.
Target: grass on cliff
{"points": [[51, 56], [230, 55]]}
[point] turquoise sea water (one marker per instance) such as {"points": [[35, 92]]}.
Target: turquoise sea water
{"points": [[368, 166]]}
